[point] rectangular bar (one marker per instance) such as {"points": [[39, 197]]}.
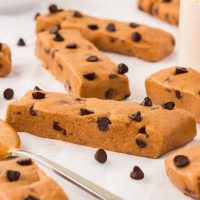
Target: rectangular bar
{"points": [[180, 85], [80, 66], [166, 10], [22, 179], [141, 41], [126, 127]]}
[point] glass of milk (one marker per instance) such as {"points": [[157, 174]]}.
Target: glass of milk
{"points": [[14, 6], [190, 34]]}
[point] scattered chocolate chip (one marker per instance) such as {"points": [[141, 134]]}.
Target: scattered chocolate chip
{"points": [[38, 95], [113, 76], [54, 29], [93, 27], [84, 111], [169, 105], [1, 46], [122, 68], [136, 116], [141, 143], [92, 59], [32, 111], [136, 37], [134, 25], [180, 70], [12, 175], [100, 156], [166, 1], [58, 37], [54, 9], [103, 123], [111, 27], [30, 197], [25, 162], [36, 16], [71, 46], [178, 94], [147, 102], [181, 161], [90, 76], [37, 88], [137, 173], [110, 93], [142, 130], [57, 127], [8, 94], [78, 14], [21, 42]]}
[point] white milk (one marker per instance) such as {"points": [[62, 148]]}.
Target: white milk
{"points": [[190, 34]]}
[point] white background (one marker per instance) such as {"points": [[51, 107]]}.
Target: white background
{"points": [[28, 72]]}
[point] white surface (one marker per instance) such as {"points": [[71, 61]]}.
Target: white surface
{"points": [[28, 72], [189, 34]]}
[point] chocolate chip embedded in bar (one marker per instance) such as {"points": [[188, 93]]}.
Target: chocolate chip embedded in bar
{"points": [[5, 60], [104, 124], [21, 179], [166, 10], [132, 39], [81, 67], [183, 169], [176, 85]]}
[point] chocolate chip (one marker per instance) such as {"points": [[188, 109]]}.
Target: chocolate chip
{"points": [[1, 46], [103, 123], [111, 27], [71, 46], [180, 70], [137, 173], [53, 8], [100, 156], [110, 93], [37, 88], [166, 1], [169, 105], [93, 27], [58, 37], [146, 102], [181, 161], [30, 197], [36, 15], [134, 25], [32, 111], [84, 111], [38, 95], [113, 76], [136, 116], [25, 162], [78, 14], [21, 42], [57, 127], [92, 59], [8, 94], [136, 37], [122, 68], [178, 94], [12, 175], [90, 76], [142, 130], [54, 29], [141, 143]]}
